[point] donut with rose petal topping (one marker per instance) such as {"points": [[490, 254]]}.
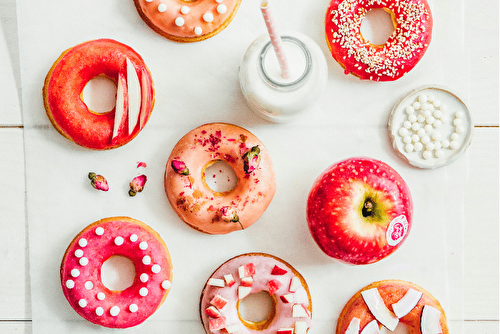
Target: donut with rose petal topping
{"points": [[187, 21], [81, 272], [211, 211], [412, 20], [388, 302], [253, 273], [70, 73]]}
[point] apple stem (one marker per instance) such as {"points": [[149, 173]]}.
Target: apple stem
{"points": [[367, 208]]}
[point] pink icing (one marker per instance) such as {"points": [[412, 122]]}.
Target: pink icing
{"points": [[81, 272], [264, 265]]}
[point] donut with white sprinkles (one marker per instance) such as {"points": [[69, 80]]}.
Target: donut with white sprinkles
{"points": [[412, 20], [81, 272]]}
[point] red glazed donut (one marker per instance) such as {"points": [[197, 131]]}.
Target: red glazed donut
{"points": [[64, 84], [253, 273], [397, 301], [201, 207], [412, 20], [81, 272], [187, 21]]}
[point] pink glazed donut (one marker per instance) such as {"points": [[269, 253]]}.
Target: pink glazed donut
{"points": [[214, 212], [253, 273], [81, 272], [187, 21]]}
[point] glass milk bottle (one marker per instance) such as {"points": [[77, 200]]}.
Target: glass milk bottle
{"points": [[266, 91]]}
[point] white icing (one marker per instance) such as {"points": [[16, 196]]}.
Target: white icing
{"points": [[70, 284], [83, 261], [82, 242], [82, 303], [119, 241], [143, 292], [134, 238], [101, 296], [89, 285], [144, 277], [166, 284], [143, 245], [146, 260], [114, 311], [156, 268], [75, 272], [99, 231], [162, 7], [99, 311], [78, 253], [133, 308]]}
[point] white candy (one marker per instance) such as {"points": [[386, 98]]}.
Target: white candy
{"points": [[143, 292], [425, 106], [162, 7], [134, 238], [418, 147], [437, 123], [119, 241], [99, 311], [412, 118], [75, 272], [454, 136], [436, 136], [83, 261], [403, 132], [82, 242], [416, 105], [415, 138], [143, 245], [114, 311], [415, 126], [70, 284], [459, 114], [425, 140], [407, 139], [78, 253], [409, 148], [438, 153], [421, 132], [422, 98], [407, 124], [221, 9], [430, 120], [99, 231], [208, 17], [431, 98], [454, 144], [133, 308], [166, 284], [146, 260], [428, 128], [427, 154], [457, 122], [460, 129], [179, 21], [82, 303], [144, 277], [438, 113], [184, 10], [445, 143], [198, 30], [101, 296], [89, 285], [421, 117], [437, 145], [156, 268], [409, 110], [436, 103], [429, 146]]}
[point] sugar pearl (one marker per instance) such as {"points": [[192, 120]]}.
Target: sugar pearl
{"points": [[133, 308], [134, 238], [457, 122], [179, 21], [436, 103], [427, 154], [454, 144], [425, 106], [156, 268], [403, 132], [143, 245], [409, 148], [101, 296], [454, 136], [437, 123], [445, 143], [198, 30], [162, 7], [166, 284], [208, 17], [146, 260], [184, 10], [89, 285], [78, 253], [143, 292], [407, 139], [119, 241], [428, 127], [407, 124], [460, 129], [83, 261], [415, 138], [430, 120], [82, 303], [416, 105], [415, 126], [412, 118], [431, 97], [422, 98], [82, 242], [421, 117], [438, 113], [99, 311], [75, 272], [144, 277], [99, 231], [221, 9], [70, 284], [418, 147], [429, 146], [409, 110], [459, 114], [436, 136], [438, 153], [437, 145], [425, 140], [114, 311], [421, 132]]}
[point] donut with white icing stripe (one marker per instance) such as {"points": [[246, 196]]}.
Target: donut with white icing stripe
{"points": [[187, 21], [81, 272], [388, 302], [70, 73], [412, 20], [252, 273]]}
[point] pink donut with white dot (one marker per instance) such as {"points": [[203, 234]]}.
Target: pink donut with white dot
{"points": [[81, 272], [187, 21]]}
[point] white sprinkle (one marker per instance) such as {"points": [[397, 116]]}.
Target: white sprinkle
{"points": [[133, 308], [75, 272], [162, 7], [119, 241], [146, 260], [89, 285], [101, 296], [134, 238], [144, 277], [208, 17], [143, 292], [166, 284], [78, 253], [156, 268], [143, 245], [114, 311], [99, 311], [99, 231], [70, 284], [82, 303], [82, 242], [83, 261]]}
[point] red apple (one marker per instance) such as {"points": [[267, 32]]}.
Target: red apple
{"points": [[359, 210]]}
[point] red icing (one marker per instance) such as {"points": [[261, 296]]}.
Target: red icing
{"points": [[98, 249]]}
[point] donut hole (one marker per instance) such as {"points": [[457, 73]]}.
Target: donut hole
{"points": [[257, 310], [220, 177], [377, 26], [99, 94], [118, 273]]}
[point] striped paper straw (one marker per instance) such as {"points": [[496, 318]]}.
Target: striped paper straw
{"points": [[275, 39]]}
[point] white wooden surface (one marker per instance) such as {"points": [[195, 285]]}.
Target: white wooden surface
{"points": [[480, 206]]}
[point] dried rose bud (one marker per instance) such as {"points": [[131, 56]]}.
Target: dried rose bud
{"points": [[180, 167], [137, 184], [251, 159], [98, 182], [141, 164], [229, 215]]}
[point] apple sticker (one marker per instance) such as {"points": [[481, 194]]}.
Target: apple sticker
{"points": [[397, 230]]}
